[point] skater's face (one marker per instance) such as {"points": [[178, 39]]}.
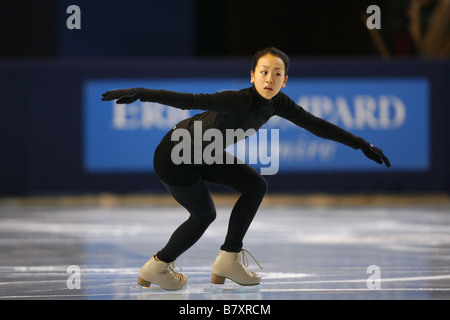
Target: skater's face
{"points": [[269, 76]]}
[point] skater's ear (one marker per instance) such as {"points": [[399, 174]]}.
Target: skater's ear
{"points": [[285, 81]]}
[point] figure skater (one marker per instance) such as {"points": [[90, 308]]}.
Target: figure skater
{"points": [[244, 109]]}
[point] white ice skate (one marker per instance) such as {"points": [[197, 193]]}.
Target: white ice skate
{"points": [[228, 265], [161, 274]]}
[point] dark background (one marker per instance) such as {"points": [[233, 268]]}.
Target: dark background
{"points": [[43, 65], [194, 28]]}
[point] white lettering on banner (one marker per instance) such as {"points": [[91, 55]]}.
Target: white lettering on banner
{"points": [[146, 116], [382, 112], [304, 149]]}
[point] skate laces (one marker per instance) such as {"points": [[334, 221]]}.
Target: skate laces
{"points": [[171, 270], [245, 259]]}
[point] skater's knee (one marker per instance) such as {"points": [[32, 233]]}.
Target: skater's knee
{"points": [[255, 187], [259, 188], [210, 217], [204, 217], [263, 186]]}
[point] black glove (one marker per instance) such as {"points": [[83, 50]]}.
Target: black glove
{"points": [[123, 95], [374, 153]]}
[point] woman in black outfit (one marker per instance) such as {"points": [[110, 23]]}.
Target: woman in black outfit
{"points": [[246, 109]]}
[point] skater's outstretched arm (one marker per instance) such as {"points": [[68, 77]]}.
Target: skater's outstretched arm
{"points": [[291, 111], [225, 101]]}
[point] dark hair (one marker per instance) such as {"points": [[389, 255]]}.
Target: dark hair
{"points": [[273, 51]]}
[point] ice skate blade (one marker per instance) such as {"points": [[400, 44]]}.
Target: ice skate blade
{"points": [[220, 288], [139, 288], [155, 289]]}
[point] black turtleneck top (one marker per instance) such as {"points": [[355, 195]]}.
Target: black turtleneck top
{"points": [[245, 109]]}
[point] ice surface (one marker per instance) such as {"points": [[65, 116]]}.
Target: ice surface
{"points": [[307, 253]]}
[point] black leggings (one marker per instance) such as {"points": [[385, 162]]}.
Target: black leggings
{"points": [[186, 183]]}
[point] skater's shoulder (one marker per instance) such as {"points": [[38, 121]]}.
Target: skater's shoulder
{"points": [[247, 92]]}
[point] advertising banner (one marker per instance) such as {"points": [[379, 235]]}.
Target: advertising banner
{"points": [[391, 113]]}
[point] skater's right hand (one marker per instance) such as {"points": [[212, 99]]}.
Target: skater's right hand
{"points": [[374, 153], [122, 96]]}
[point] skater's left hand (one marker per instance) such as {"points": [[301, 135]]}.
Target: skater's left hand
{"points": [[122, 96], [374, 153]]}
